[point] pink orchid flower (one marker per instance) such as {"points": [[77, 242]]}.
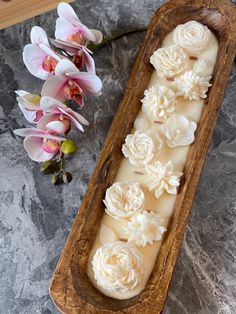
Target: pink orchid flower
{"points": [[29, 105], [58, 117], [81, 55], [41, 145], [70, 28], [38, 57], [70, 83]]}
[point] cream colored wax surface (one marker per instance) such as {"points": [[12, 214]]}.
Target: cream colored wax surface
{"points": [[165, 204]]}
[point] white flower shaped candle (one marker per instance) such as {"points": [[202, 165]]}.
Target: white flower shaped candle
{"points": [[192, 36], [141, 124], [201, 67], [118, 266], [140, 148], [123, 200], [158, 102], [178, 130], [169, 61], [192, 86], [145, 228], [163, 178]]}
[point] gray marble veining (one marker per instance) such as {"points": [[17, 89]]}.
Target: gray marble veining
{"points": [[35, 217]]}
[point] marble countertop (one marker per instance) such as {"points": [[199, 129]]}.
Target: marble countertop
{"points": [[35, 217]]}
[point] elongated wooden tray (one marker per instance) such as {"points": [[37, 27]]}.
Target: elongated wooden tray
{"points": [[71, 289]]}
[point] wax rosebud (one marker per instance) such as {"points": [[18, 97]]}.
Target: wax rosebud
{"points": [[67, 177], [56, 179], [50, 166], [68, 147]]}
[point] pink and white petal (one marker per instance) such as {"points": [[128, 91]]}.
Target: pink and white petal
{"points": [[89, 62], [66, 11], [29, 132], [73, 114], [34, 148], [53, 87], [21, 92], [75, 121], [57, 127], [46, 119], [89, 82], [49, 51], [49, 104], [33, 58], [27, 104], [64, 28], [98, 35], [70, 47], [38, 36], [86, 32], [64, 66], [29, 115]]}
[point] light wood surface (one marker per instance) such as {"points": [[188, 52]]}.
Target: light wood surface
{"points": [[70, 288], [15, 11]]}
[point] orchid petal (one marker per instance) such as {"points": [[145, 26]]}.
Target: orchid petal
{"points": [[57, 127], [34, 148], [54, 87], [66, 45], [98, 35], [29, 115], [66, 11], [63, 29], [38, 36], [89, 62], [74, 120], [21, 92], [33, 58], [65, 66], [89, 82], [49, 51], [28, 105], [37, 133], [51, 122], [48, 104], [73, 114]]}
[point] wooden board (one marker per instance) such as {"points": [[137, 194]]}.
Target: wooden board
{"points": [[70, 288], [15, 11]]}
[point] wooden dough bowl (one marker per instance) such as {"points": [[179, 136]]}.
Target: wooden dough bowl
{"points": [[71, 289]]}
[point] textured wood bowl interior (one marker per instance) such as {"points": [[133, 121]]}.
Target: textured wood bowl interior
{"points": [[71, 288]]}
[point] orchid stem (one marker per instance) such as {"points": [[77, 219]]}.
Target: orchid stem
{"points": [[62, 164], [109, 39]]}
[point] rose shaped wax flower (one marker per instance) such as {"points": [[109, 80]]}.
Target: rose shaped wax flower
{"points": [[41, 145], [178, 130], [158, 102], [192, 37], [38, 57], [70, 83], [58, 113], [163, 178], [145, 228], [140, 148], [169, 61], [124, 200], [192, 86], [118, 266], [30, 105], [69, 27]]}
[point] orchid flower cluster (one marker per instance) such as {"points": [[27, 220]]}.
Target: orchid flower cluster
{"points": [[67, 67]]}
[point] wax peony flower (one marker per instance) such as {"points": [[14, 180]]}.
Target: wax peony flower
{"points": [[39, 58], [163, 178], [70, 28], [81, 55], [58, 114], [29, 105], [41, 145], [70, 83]]}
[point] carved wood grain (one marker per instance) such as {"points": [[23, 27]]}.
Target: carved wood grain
{"points": [[70, 288]]}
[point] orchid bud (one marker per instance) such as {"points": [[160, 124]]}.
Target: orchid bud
{"points": [[68, 147], [67, 177], [56, 179], [50, 166]]}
